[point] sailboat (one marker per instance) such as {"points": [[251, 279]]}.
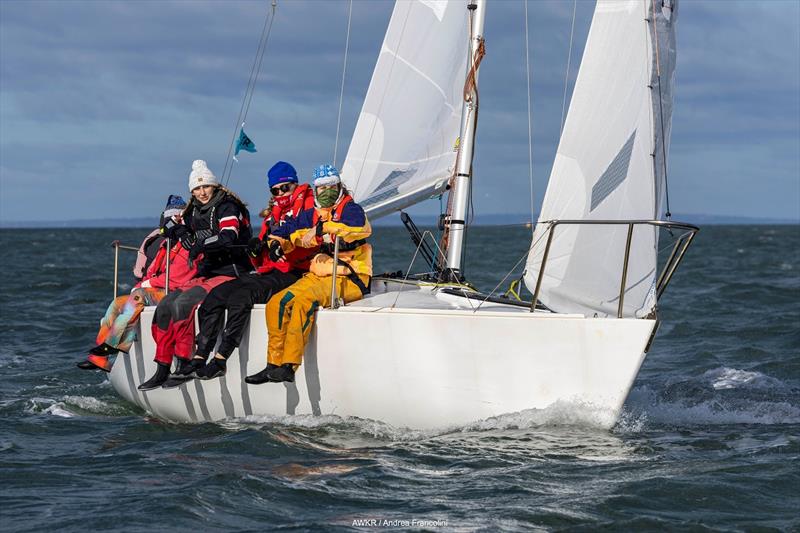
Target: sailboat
{"points": [[429, 351]]}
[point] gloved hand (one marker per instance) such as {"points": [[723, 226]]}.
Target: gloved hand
{"points": [[173, 231], [187, 240], [196, 250], [255, 246], [274, 250], [319, 229]]}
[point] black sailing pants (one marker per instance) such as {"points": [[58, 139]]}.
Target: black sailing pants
{"points": [[237, 296]]}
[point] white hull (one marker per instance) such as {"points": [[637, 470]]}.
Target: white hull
{"points": [[433, 366]]}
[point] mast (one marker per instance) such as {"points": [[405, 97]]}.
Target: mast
{"points": [[469, 116]]}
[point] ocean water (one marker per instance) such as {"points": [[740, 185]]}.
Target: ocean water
{"points": [[709, 439]]}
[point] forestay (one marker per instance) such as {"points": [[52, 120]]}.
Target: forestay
{"points": [[403, 149], [609, 164]]}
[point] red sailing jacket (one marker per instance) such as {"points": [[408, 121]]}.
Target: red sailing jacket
{"points": [[298, 259], [179, 270]]}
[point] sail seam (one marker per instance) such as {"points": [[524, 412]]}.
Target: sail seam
{"points": [[410, 162], [422, 75]]}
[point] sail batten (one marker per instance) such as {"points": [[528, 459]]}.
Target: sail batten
{"points": [[404, 146], [610, 164]]}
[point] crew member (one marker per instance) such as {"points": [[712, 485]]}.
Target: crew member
{"points": [[290, 314], [216, 224], [238, 296], [118, 326]]}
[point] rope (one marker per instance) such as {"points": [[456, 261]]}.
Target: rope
{"points": [[530, 137], [250, 89], [668, 214], [470, 90], [341, 91], [470, 87], [566, 75]]}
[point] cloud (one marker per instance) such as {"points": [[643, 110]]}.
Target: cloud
{"points": [[103, 105]]}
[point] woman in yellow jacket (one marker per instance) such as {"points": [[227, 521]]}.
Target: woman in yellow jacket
{"points": [[291, 312]]}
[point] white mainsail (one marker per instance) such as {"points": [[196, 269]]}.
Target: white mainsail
{"points": [[403, 149], [610, 164]]}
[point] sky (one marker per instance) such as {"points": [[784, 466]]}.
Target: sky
{"points": [[104, 105]]}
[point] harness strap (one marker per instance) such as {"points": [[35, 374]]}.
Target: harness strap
{"points": [[327, 247], [352, 276]]}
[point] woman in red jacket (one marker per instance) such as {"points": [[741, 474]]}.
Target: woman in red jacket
{"points": [[271, 276], [118, 326]]}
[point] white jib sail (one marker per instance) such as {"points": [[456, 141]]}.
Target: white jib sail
{"points": [[610, 165], [403, 149]]}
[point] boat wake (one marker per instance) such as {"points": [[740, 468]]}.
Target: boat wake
{"points": [[719, 396], [366, 432]]}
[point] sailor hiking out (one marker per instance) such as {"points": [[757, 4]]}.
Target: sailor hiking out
{"points": [[290, 314], [272, 274], [215, 227]]}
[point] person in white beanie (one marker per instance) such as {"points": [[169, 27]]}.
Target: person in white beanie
{"points": [[216, 223], [201, 176]]}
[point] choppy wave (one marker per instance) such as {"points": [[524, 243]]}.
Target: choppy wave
{"points": [[71, 406], [707, 438], [719, 396]]}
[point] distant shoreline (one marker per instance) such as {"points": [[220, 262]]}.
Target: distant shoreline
{"points": [[392, 221]]}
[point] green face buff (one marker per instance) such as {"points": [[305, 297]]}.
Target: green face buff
{"points": [[327, 197]]}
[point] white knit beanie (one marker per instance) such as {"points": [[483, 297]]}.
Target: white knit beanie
{"points": [[201, 175]]}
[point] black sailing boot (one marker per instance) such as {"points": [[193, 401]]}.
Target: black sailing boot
{"points": [[215, 369], [98, 358], [260, 377], [285, 372], [186, 371], [104, 350], [158, 379]]}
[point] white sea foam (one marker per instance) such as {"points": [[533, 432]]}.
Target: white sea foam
{"points": [[732, 378], [573, 414], [302, 421], [68, 406], [50, 406], [372, 428], [57, 409], [88, 403], [561, 413]]}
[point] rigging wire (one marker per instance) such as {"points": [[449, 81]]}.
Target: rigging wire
{"points": [[266, 30], [530, 137], [566, 75], [668, 214], [513, 268], [341, 90]]}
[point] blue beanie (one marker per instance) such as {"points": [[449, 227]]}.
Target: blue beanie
{"points": [[281, 172]]}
